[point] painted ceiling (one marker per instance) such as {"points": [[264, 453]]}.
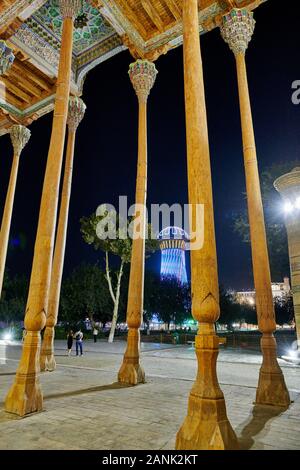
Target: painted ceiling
{"points": [[33, 28], [96, 29]]}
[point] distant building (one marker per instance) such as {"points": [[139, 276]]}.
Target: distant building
{"points": [[172, 246], [280, 291]]}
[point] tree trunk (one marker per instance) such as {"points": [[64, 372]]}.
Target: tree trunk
{"points": [[116, 306]]}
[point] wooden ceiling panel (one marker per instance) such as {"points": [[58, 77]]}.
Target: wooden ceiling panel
{"points": [[24, 85], [150, 17]]}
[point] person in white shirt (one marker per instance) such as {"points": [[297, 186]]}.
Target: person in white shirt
{"points": [[95, 334], [79, 340]]}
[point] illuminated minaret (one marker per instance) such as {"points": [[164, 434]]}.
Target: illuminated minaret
{"points": [[172, 246]]}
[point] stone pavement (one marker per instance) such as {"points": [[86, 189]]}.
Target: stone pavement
{"points": [[84, 407]]}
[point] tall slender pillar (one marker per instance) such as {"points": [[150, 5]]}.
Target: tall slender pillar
{"points": [[25, 395], [237, 29], [206, 426], [6, 57], [47, 360], [20, 136], [142, 74], [289, 187]]}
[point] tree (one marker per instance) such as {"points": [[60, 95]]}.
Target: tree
{"points": [[284, 310], [13, 299], [113, 240], [167, 298], [84, 293], [275, 228], [231, 311]]}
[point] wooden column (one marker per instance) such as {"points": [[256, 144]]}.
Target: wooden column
{"points": [[206, 425], [289, 187], [142, 74], [20, 136], [47, 360], [25, 395], [237, 29]]}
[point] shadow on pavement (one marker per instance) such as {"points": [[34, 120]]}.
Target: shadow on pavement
{"points": [[255, 424], [100, 388]]}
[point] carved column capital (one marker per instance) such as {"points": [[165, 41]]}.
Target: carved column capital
{"points": [[237, 29], [20, 136], [6, 57], [70, 8], [76, 112], [142, 75]]}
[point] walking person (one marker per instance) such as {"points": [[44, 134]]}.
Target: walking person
{"points": [[79, 339], [95, 334], [70, 338]]}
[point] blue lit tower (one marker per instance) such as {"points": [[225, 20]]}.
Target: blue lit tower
{"points": [[172, 246]]}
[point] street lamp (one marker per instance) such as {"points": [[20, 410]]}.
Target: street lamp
{"points": [[288, 186]]}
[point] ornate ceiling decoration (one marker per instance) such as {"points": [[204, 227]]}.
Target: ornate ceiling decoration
{"points": [[32, 28]]}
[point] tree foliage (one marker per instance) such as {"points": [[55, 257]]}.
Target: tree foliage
{"points": [[85, 294], [168, 299], [274, 219], [13, 298], [109, 233]]}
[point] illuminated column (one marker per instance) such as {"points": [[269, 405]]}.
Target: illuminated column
{"points": [[47, 360], [289, 187], [25, 395], [237, 29], [6, 57], [20, 136], [142, 74], [206, 426]]}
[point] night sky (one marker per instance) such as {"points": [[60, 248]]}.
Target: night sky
{"points": [[106, 149]]}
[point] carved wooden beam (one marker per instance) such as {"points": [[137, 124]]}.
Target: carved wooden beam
{"points": [[15, 89], [131, 16], [9, 30], [153, 15], [25, 84], [172, 6]]}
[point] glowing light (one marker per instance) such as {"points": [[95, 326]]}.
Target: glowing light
{"points": [[297, 203], [288, 207], [293, 353], [7, 337]]}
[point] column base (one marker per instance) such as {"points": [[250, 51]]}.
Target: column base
{"points": [[206, 426], [131, 372], [271, 389], [47, 359], [25, 395]]}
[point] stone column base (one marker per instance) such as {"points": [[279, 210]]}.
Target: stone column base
{"points": [[47, 359], [25, 395], [131, 372], [271, 389], [206, 427]]}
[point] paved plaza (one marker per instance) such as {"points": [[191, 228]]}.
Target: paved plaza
{"points": [[84, 407]]}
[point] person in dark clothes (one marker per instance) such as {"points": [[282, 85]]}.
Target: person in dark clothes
{"points": [[70, 341]]}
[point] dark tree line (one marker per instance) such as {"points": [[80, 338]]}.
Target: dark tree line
{"points": [[85, 293]]}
